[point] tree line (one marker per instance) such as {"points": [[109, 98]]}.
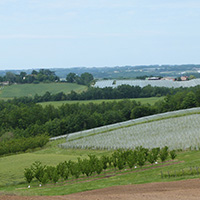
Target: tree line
{"points": [[22, 144], [30, 119], [45, 76], [84, 79], [121, 92]]}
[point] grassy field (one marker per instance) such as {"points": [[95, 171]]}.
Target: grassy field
{"points": [[12, 181], [12, 167], [150, 100], [40, 89]]}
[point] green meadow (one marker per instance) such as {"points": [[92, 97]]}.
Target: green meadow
{"points": [[12, 166], [150, 100], [30, 90]]}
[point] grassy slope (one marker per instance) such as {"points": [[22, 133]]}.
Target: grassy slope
{"points": [[150, 100], [12, 167], [146, 176], [11, 171], [40, 89]]}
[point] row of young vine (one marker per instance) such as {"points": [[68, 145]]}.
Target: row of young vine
{"points": [[165, 132], [94, 165]]}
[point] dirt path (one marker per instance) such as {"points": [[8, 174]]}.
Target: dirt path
{"points": [[184, 190]]}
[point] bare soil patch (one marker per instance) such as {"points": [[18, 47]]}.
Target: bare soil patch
{"points": [[184, 190]]}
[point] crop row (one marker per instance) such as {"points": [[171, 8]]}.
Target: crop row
{"points": [[94, 165], [176, 133], [132, 122]]}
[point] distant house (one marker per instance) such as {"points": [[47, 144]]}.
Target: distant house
{"points": [[5, 83], [168, 78], [184, 78], [62, 80], [153, 78]]}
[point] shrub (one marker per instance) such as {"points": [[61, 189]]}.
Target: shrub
{"points": [[38, 170], [55, 176], [173, 154], [105, 160], [132, 159], [29, 175], [99, 166], [150, 158], [141, 158], [49, 171], [75, 170], [45, 179], [164, 153]]}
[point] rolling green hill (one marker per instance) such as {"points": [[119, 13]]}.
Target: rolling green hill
{"points": [[40, 89], [12, 167]]}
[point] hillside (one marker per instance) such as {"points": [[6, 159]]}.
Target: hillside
{"points": [[177, 130], [12, 180], [40, 89], [176, 133], [52, 154]]}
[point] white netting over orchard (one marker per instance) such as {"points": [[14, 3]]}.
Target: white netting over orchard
{"points": [[143, 83], [176, 132]]}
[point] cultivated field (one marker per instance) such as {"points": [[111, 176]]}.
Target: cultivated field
{"points": [[150, 100], [157, 132], [176, 133], [146, 174], [153, 83], [40, 89]]}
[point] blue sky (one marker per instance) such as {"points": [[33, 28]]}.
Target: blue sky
{"points": [[74, 33]]}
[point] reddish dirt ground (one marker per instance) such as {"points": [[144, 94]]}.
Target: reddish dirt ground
{"points": [[184, 190]]}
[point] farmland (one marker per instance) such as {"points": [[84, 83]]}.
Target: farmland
{"points": [[56, 104], [51, 156], [30, 90], [12, 167], [143, 83], [176, 133], [149, 133]]}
